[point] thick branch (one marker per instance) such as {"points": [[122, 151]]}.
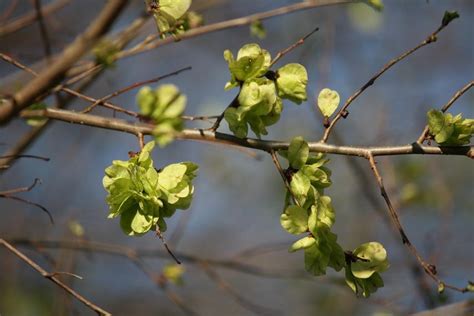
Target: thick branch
{"points": [[264, 145], [55, 72]]}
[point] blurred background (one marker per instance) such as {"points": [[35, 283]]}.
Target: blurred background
{"points": [[238, 199]]}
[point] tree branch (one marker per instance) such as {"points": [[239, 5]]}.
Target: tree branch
{"points": [[70, 55], [343, 111], [52, 277], [264, 145]]}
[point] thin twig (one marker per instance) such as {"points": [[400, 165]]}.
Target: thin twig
{"points": [[16, 198], [43, 30], [282, 53], [162, 238], [277, 164], [23, 189], [427, 267], [342, 113], [54, 279], [445, 107], [131, 87], [242, 21], [25, 156]]}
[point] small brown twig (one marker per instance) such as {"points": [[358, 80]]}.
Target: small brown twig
{"points": [[445, 107], [8, 194], [233, 104], [25, 156], [299, 42], [427, 267], [342, 113], [162, 238], [277, 164], [52, 277], [131, 87]]}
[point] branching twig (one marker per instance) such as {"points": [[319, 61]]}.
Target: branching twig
{"points": [[342, 113], [427, 267], [130, 87], [8, 194], [47, 79], [445, 107], [52, 277], [242, 21]]}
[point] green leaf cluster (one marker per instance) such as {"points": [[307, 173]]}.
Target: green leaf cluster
{"points": [[168, 14], [143, 196], [105, 52], [363, 275], [259, 103], [450, 130], [174, 273], [258, 30], [311, 213], [164, 106]]}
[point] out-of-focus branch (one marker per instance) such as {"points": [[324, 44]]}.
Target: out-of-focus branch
{"points": [[52, 277], [49, 77], [219, 26], [31, 17], [342, 113], [123, 37]]}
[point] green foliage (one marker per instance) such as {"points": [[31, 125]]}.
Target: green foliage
{"points": [[143, 196], [375, 4], [174, 273], [259, 103], [167, 14], [449, 130], [258, 30], [312, 214], [328, 101], [105, 52], [164, 106], [448, 17], [363, 270], [36, 121]]}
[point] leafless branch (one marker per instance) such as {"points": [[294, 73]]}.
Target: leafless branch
{"points": [[71, 54], [427, 267], [342, 113], [52, 277]]}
